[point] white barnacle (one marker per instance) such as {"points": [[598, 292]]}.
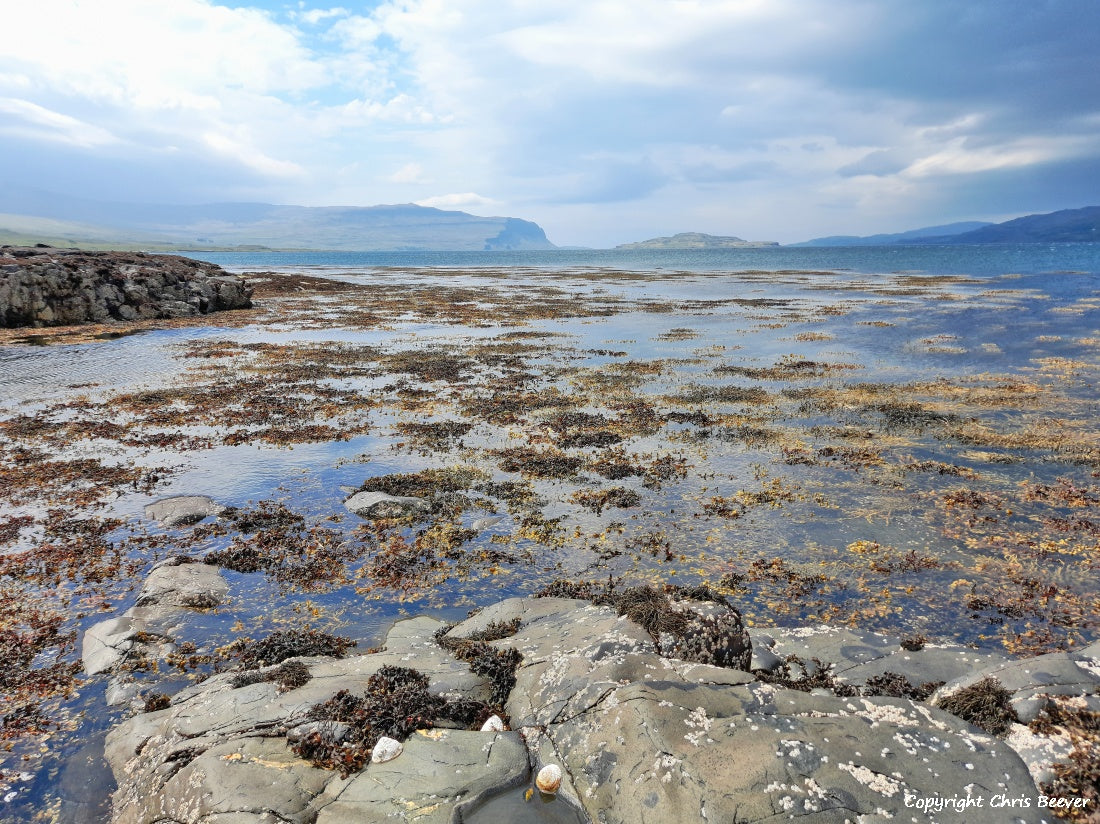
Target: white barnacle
{"points": [[878, 782]]}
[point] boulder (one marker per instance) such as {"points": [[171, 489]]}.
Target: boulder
{"points": [[381, 505], [148, 629], [176, 584], [181, 510]]}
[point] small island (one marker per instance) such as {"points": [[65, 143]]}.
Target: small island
{"points": [[697, 240]]}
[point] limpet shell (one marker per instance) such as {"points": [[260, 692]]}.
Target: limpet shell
{"points": [[493, 724], [549, 779], [385, 750]]}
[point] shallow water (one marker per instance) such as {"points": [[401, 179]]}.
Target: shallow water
{"points": [[816, 480]]}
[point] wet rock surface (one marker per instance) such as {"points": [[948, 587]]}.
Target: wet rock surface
{"points": [[638, 735], [181, 510], [380, 505], [44, 286], [150, 628]]}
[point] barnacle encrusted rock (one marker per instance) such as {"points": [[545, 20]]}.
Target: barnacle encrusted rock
{"points": [[43, 286], [637, 733]]}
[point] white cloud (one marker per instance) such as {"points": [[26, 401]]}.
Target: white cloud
{"points": [[155, 53], [243, 153], [461, 200], [409, 173], [40, 123], [315, 16]]}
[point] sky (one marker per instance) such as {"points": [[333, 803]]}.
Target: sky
{"points": [[604, 121]]}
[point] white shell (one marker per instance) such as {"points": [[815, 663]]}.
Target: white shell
{"points": [[386, 749], [493, 724], [549, 779]]}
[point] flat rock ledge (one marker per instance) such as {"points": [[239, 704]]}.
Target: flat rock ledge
{"points": [[43, 286], [174, 588], [639, 736]]}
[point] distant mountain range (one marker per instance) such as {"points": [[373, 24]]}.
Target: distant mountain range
{"points": [[28, 213], [947, 230], [696, 240], [1065, 226]]}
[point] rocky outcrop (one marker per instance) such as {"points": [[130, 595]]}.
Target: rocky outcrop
{"points": [[640, 735], [149, 629], [43, 286]]}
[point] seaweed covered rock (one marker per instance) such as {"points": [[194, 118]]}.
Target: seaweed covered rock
{"points": [[43, 286]]}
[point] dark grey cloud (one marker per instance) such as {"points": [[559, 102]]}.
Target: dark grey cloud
{"points": [[879, 163]]}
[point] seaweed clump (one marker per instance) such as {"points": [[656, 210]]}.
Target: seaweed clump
{"points": [[719, 639], [599, 499], [985, 703], [1079, 777], [593, 591], [288, 675], [652, 611], [498, 665], [278, 542], [895, 685], [344, 729], [157, 701], [813, 675], [290, 643]]}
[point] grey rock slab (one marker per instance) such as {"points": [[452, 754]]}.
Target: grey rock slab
{"points": [[839, 646], [661, 752], [143, 630], [858, 656], [249, 779], [641, 737], [121, 692], [933, 663], [1092, 651], [438, 771], [181, 510], [1030, 680], [214, 710], [575, 656], [381, 505], [196, 586], [104, 644], [527, 610]]}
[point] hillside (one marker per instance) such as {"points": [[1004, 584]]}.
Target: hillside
{"points": [[406, 227], [896, 237], [1064, 226]]}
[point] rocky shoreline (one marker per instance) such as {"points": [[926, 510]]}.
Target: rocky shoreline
{"points": [[656, 706], [43, 286]]}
